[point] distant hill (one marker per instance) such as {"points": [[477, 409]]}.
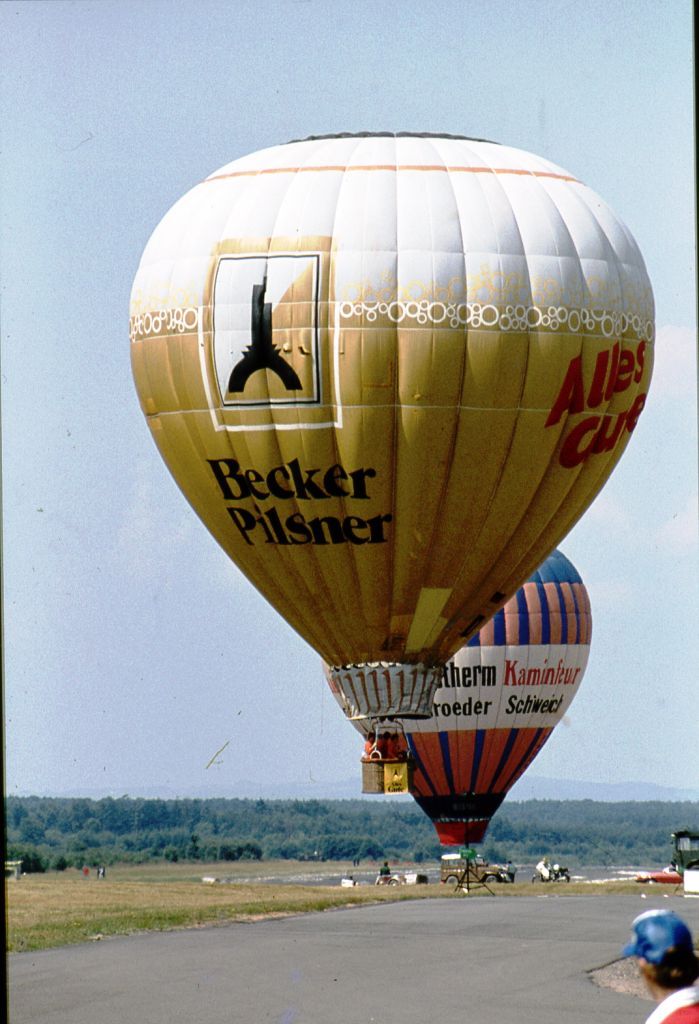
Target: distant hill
{"points": [[531, 787], [542, 788]]}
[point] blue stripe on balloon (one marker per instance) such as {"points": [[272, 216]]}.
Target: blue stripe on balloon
{"points": [[418, 764], [523, 760], [477, 756], [523, 612], [545, 617], [446, 757], [504, 758], [577, 613], [499, 636], [556, 569], [564, 614]]}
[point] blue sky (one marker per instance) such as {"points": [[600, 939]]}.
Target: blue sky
{"points": [[133, 650]]}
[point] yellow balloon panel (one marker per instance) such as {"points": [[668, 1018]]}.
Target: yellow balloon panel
{"points": [[390, 373]]}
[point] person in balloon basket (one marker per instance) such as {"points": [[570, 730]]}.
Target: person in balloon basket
{"points": [[662, 944], [370, 748]]}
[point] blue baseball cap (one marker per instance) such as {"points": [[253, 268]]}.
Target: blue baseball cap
{"points": [[655, 933]]}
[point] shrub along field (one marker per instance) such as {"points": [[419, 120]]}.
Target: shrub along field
{"points": [[58, 833]]}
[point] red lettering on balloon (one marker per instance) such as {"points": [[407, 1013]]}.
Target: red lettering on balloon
{"points": [[571, 397], [614, 370]]}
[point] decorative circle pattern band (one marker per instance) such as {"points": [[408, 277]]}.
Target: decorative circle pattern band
{"points": [[510, 318], [425, 313], [158, 322]]}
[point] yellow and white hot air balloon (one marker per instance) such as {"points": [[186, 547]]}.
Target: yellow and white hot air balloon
{"points": [[390, 372]]}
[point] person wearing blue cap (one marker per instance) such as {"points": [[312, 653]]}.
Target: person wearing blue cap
{"points": [[662, 944]]}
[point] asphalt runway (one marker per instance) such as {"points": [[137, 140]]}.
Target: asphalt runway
{"points": [[478, 960]]}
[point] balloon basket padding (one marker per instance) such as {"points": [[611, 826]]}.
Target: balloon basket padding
{"points": [[374, 776]]}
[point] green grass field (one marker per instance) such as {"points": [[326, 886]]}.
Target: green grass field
{"points": [[63, 908]]}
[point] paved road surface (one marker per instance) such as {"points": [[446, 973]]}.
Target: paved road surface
{"points": [[473, 960]]}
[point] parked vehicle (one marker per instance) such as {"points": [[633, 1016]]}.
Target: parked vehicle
{"points": [[686, 857], [668, 876], [453, 865], [402, 879], [686, 845], [547, 872], [395, 879]]}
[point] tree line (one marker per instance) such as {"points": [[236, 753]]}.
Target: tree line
{"points": [[55, 833]]}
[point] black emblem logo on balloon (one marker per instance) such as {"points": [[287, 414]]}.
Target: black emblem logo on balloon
{"points": [[261, 353]]}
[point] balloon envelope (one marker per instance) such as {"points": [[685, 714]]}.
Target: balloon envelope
{"points": [[390, 373], [498, 702], [500, 699]]}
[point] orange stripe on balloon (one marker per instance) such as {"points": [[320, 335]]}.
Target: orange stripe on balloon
{"points": [[519, 749], [339, 169], [533, 600], [486, 635], [571, 613], [510, 781], [429, 751], [511, 622], [555, 617], [583, 601], [420, 785], [462, 748], [493, 749]]}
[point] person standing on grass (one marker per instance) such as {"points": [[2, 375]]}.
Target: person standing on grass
{"points": [[662, 944]]}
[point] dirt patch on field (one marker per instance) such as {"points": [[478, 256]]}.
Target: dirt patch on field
{"points": [[622, 976]]}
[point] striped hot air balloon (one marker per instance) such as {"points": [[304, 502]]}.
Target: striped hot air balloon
{"points": [[498, 701]]}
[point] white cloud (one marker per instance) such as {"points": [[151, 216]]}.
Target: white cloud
{"points": [[609, 594], [161, 539], [675, 367], [153, 530], [609, 511], [680, 534]]}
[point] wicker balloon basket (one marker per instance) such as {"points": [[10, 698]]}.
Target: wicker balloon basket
{"points": [[382, 776]]}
